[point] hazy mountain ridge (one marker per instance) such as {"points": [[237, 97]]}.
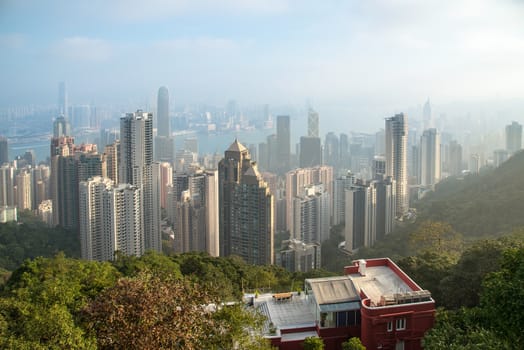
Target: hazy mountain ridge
{"points": [[486, 204]]}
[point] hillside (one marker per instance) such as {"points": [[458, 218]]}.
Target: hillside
{"points": [[486, 204]]}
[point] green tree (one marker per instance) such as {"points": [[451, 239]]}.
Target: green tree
{"points": [[502, 296], [462, 329], [436, 236], [462, 285], [428, 269], [41, 302], [353, 344], [147, 312], [313, 343]]}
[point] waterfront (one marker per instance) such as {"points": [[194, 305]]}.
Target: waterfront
{"points": [[207, 143]]}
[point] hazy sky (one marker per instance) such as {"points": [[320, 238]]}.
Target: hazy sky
{"points": [[375, 54]]}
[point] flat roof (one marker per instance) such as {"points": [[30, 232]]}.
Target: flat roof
{"points": [[293, 313], [333, 290], [379, 281]]}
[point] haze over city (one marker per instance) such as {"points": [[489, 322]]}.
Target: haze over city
{"points": [[354, 61]]}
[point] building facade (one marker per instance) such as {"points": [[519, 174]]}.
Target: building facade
{"points": [[110, 220], [430, 160], [246, 208], [396, 159], [374, 300], [136, 168]]}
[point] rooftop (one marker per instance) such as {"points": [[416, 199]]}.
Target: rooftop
{"points": [[236, 147], [292, 313], [333, 290]]}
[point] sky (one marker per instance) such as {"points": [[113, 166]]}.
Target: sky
{"points": [[367, 57]]}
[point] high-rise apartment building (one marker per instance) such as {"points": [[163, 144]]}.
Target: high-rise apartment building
{"points": [[110, 219], [359, 212], [384, 220], [341, 184], [4, 150], [513, 137], [112, 155], [60, 147], [7, 185], [311, 214], [430, 163], [297, 180], [24, 190], [83, 163], [166, 182], [283, 143], [246, 208], [312, 123], [396, 159], [136, 168], [193, 207]]}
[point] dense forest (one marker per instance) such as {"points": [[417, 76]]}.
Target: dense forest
{"points": [[466, 246]]}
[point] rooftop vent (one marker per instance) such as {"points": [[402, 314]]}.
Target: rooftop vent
{"points": [[362, 267]]}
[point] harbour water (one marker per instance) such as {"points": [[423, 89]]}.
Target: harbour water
{"points": [[208, 143]]}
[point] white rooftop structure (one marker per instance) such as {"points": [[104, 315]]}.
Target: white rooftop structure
{"points": [[293, 313]]}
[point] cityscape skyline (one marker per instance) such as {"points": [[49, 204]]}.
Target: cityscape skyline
{"points": [[347, 58]]}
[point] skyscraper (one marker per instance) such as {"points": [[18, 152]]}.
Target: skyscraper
{"points": [[310, 152], [60, 147], [23, 190], [61, 127], [311, 214], [430, 165], [164, 144], [136, 168], [7, 185], [72, 165], [396, 159], [283, 143], [297, 180], [341, 184], [246, 208], [312, 123], [513, 137], [4, 151], [63, 108], [455, 158], [331, 150], [110, 219], [344, 151], [427, 119], [163, 122], [193, 208]]}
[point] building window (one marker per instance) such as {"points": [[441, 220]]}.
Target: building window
{"points": [[390, 326], [401, 324], [399, 345]]}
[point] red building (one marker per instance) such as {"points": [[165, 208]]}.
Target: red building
{"points": [[374, 300]]}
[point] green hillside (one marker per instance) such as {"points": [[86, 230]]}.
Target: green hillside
{"points": [[486, 204]]}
